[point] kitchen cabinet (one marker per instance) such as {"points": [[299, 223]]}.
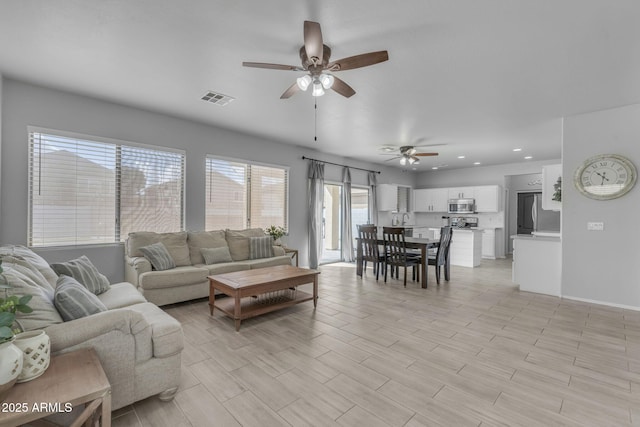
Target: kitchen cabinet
{"points": [[466, 246], [393, 198], [537, 264], [430, 200], [387, 197], [489, 243], [488, 198], [461, 193], [550, 176]]}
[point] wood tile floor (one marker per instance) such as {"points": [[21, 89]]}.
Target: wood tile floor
{"points": [[474, 351]]}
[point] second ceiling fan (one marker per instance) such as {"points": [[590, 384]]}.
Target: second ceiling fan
{"points": [[315, 56]]}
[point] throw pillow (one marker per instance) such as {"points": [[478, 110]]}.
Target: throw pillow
{"points": [[216, 255], [260, 247], [158, 256], [238, 241], [24, 281], [74, 301], [175, 243], [84, 272], [198, 240]]}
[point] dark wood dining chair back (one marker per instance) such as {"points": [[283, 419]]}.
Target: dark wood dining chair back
{"points": [[368, 234], [441, 258], [396, 252]]}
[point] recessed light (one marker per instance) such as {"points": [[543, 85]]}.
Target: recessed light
{"points": [[461, 157], [528, 157], [414, 169], [434, 168], [476, 163], [517, 149]]}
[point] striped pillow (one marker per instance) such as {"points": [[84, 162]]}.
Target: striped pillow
{"points": [[260, 247], [85, 273], [74, 301], [158, 256]]}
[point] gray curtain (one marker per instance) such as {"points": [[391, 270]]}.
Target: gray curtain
{"points": [[373, 199], [347, 235], [316, 193]]}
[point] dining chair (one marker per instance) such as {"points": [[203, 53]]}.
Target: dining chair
{"points": [[368, 234], [441, 257], [396, 253]]}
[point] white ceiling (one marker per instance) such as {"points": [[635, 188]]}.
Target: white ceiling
{"points": [[482, 76]]}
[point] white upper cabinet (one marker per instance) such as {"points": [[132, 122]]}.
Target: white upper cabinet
{"points": [[551, 177], [430, 200], [461, 193], [387, 197], [488, 198], [394, 198]]}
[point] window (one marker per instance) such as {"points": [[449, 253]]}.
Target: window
{"points": [[241, 195], [94, 192]]}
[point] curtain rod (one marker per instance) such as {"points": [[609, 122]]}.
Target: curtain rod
{"points": [[338, 164]]}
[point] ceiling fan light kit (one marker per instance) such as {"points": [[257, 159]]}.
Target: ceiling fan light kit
{"points": [[314, 56]]}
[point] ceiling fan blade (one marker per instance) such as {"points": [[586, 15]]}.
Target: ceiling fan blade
{"points": [[359, 61], [292, 90], [342, 88], [272, 66], [429, 145], [425, 154], [313, 44]]}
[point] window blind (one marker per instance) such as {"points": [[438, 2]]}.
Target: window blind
{"points": [[92, 192], [241, 195]]}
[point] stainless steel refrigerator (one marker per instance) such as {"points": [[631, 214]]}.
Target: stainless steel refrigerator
{"points": [[531, 216]]}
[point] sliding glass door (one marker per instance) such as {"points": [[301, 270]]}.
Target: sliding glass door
{"points": [[332, 221], [331, 224]]}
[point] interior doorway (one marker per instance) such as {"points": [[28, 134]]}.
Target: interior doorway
{"points": [[525, 220]]}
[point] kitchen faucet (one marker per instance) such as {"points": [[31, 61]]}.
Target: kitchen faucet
{"points": [[405, 217]]}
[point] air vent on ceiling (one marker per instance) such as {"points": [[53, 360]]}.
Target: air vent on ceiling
{"points": [[217, 98]]}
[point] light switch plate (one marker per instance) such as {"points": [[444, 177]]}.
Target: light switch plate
{"points": [[595, 226]]}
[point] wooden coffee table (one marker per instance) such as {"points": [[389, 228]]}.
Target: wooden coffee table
{"points": [[260, 291]]}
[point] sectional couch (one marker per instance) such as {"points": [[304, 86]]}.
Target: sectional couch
{"points": [[188, 279]]}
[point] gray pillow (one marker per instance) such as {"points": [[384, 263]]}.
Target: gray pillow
{"points": [[260, 247], [158, 256], [74, 301], [85, 273], [216, 255], [24, 279]]}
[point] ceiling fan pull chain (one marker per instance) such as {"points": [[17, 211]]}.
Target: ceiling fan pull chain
{"points": [[315, 118]]}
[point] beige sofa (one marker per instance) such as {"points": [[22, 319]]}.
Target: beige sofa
{"points": [[188, 280], [138, 344]]}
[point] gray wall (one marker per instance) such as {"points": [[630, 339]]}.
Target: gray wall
{"points": [[480, 175], [601, 266], [25, 104]]}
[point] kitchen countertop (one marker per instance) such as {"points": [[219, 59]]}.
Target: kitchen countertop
{"points": [[540, 238]]}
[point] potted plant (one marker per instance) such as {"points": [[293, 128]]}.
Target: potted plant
{"points": [[276, 232], [10, 355]]}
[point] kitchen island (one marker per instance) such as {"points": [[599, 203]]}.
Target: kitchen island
{"points": [[537, 263], [466, 246]]}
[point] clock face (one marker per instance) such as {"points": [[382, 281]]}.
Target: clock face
{"points": [[605, 177]]}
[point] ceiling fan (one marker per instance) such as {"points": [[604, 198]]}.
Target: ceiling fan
{"points": [[315, 60], [407, 153]]}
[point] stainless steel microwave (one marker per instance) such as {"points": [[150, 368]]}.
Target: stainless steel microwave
{"points": [[462, 206]]}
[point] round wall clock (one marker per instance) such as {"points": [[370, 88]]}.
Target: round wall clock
{"points": [[605, 176]]}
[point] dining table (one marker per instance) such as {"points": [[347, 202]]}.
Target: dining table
{"points": [[411, 243]]}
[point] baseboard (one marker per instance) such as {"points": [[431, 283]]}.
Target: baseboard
{"points": [[609, 304]]}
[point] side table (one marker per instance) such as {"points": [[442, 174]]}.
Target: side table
{"points": [[72, 379], [294, 252]]}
